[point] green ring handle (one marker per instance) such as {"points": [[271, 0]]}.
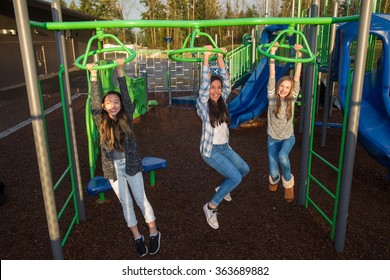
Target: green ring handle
{"points": [[286, 59], [281, 37], [115, 64], [177, 54], [100, 36]]}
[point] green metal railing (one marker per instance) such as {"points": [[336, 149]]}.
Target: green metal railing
{"points": [[240, 62]]}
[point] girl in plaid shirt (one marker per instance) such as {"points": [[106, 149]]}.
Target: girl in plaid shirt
{"points": [[214, 145]]}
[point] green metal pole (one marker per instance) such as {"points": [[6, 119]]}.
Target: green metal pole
{"points": [[152, 178], [187, 23]]}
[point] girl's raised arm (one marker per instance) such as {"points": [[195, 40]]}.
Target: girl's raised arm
{"points": [[272, 71], [298, 66], [220, 61], [119, 69]]}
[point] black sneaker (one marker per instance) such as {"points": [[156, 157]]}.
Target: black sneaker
{"points": [[155, 243], [140, 245]]}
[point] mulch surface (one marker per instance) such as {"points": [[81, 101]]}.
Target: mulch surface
{"points": [[257, 224]]}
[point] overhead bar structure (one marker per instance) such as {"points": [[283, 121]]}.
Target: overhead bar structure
{"points": [[24, 32], [187, 23]]}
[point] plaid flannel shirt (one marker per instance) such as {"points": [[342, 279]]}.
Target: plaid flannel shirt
{"points": [[206, 141]]}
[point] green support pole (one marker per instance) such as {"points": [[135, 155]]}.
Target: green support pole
{"points": [[152, 178]]}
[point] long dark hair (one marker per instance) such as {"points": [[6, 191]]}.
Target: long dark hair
{"points": [[218, 111], [288, 98], [114, 132]]}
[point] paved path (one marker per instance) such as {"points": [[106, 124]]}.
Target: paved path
{"points": [[14, 107]]}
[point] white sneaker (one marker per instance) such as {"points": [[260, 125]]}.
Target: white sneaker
{"points": [[211, 216], [227, 197]]}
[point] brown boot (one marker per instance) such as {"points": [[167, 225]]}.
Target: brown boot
{"points": [[273, 188], [273, 185], [289, 194], [288, 189]]}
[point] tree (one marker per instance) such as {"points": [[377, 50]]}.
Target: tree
{"points": [[126, 7], [155, 9], [385, 7], [325, 8], [250, 12], [73, 6], [89, 7], [63, 4], [228, 10], [108, 9], [273, 8]]}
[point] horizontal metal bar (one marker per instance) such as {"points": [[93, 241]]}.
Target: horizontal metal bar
{"points": [[187, 23]]}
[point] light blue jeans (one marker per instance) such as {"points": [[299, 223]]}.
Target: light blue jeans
{"points": [[230, 165], [278, 151], [121, 190]]}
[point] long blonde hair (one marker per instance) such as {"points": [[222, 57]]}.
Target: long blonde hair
{"points": [[115, 132], [288, 98]]}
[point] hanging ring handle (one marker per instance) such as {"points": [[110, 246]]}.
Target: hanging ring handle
{"points": [[265, 49], [178, 54], [82, 65]]}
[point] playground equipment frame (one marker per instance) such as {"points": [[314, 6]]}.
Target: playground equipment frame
{"points": [[24, 33]]}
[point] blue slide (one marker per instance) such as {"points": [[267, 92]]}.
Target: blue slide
{"points": [[252, 100], [374, 122]]}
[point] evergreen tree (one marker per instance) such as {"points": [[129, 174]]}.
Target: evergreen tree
{"points": [[155, 9], [225, 32], [127, 35], [252, 12], [73, 6], [274, 6], [108, 9], [229, 11], [89, 7], [325, 8], [385, 7]]}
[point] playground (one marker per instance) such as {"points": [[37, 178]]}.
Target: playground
{"points": [[257, 223]]}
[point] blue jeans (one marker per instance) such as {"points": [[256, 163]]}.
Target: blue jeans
{"points": [[278, 151], [230, 165]]}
